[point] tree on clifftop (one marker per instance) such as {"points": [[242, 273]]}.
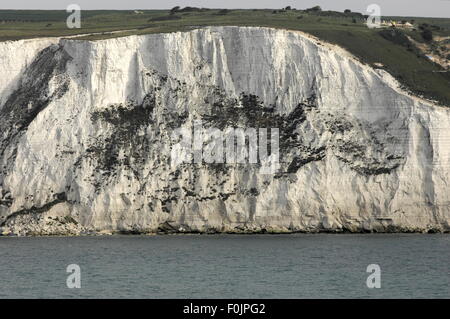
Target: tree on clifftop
{"points": [[174, 9], [315, 9], [427, 35]]}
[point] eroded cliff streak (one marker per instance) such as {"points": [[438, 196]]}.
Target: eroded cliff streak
{"points": [[86, 137]]}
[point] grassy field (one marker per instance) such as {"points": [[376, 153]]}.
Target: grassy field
{"points": [[416, 72]]}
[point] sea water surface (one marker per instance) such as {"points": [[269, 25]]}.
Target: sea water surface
{"points": [[227, 266]]}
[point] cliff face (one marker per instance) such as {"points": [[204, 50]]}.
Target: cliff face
{"points": [[86, 137]]}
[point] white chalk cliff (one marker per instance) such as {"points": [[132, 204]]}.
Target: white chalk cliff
{"points": [[85, 140]]}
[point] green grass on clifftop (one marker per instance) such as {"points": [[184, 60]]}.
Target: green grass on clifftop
{"points": [[412, 69]]}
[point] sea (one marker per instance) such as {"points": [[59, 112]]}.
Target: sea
{"points": [[227, 266]]}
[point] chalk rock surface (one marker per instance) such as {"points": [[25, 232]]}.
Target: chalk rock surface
{"points": [[87, 146]]}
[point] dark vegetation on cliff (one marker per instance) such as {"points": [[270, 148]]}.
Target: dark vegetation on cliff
{"points": [[389, 47]]}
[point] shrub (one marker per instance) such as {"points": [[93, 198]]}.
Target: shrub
{"points": [[315, 9], [174, 9], [427, 35], [192, 9], [424, 26]]}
